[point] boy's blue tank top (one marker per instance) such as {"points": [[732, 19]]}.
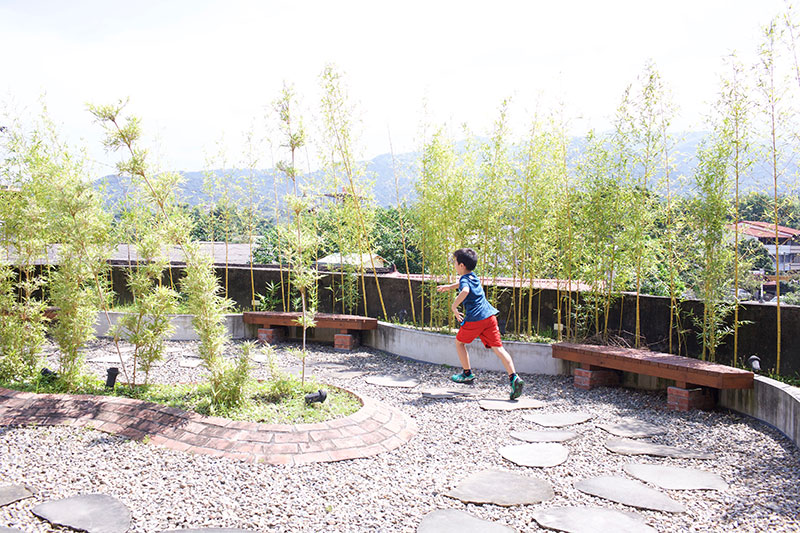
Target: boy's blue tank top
{"points": [[476, 306]]}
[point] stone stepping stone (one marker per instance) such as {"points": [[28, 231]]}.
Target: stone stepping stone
{"points": [[629, 492], [455, 521], [13, 493], [405, 382], [633, 429], [297, 370], [346, 374], [591, 520], [190, 362], [211, 530], [259, 357], [637, 447], [497, 404], [502, 488], [109, 358], [534, 435], [539, 454], [93, 513], [446, 394], [676, 478], [341, 372], [559, 420]]}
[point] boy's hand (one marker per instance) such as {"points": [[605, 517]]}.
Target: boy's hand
{"points": [[442, 288], [457, 314]]}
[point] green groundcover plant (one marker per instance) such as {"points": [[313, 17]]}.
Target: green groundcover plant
{"points": [[280, 400]]}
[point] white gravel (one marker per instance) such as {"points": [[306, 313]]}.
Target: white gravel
{"points": [[392, 492]]}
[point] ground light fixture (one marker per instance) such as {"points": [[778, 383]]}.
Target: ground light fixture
{"points": [[316, 397], [755, 363], [111, 377]]}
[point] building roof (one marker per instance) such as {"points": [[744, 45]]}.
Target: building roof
{"points": [[336, 259], [765, 230]]}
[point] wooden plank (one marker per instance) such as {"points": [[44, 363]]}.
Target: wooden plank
{"points": [[667, 366], [323, 320]]}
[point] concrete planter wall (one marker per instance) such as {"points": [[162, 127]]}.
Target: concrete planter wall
{"points": [[529, 358], [183, 326], [770, 401]]}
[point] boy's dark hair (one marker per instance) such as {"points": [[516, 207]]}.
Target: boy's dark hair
{"points": [[467, 257]]}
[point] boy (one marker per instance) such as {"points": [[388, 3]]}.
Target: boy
{"points": [[478, 320]]}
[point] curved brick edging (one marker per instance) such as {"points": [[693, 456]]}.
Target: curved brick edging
{"points": [[374, 429]]}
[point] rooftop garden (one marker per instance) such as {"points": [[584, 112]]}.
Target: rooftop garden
{"points": [[610, 211]]}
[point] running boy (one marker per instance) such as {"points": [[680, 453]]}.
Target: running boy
{"points": [[478, 320]]}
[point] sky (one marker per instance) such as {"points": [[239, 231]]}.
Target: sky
{"points": [[200, 73]]}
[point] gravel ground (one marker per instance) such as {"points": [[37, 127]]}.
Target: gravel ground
{"points": [[392, 492]]}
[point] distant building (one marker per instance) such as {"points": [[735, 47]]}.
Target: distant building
{"points": [[336, 261], [788, 243]]}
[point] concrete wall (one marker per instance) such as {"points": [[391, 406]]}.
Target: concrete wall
{"points": [[770, 401], [529, 358], [184, 331]]}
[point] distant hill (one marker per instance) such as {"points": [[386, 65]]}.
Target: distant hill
{"points": [[379, 169], [406, 168]]}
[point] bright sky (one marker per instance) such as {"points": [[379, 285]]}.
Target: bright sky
{"points": [[197, 69]]}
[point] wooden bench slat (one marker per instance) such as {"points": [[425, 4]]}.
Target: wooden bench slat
{"points": [[323, 320]]}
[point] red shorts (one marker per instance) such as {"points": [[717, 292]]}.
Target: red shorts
{"points": [[486, 329]]}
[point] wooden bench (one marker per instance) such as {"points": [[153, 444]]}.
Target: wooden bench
{"points": [[274, 323], [695, 380]]}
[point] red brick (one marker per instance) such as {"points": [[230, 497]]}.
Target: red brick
{"points": [[679, 399], [175, 445], [348, 442], [256, 436], [234, 456], [312, 457], [222, 433], [194, 440], [325, 434], [383, 416], [359, 416], [219, 444], [323, 445], [276, 459], [291, 437], [342, 341], [588, 379], [269, 449], [370, 425], [347, 453], [270, 335]]}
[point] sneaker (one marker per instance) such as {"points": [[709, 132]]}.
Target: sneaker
{"points": [[462, 378], [516, 388]]}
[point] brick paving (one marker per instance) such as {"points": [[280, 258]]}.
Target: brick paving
{"points": [[374, 429]]}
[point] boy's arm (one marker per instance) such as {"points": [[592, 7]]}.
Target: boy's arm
{"points": [[442, 288], [460, 298]]}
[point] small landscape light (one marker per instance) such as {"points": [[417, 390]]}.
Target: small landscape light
{"points": [[754, 362], [111, 378], [315, 397]]}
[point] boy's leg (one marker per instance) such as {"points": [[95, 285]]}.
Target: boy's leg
{"points": [[463, 356], [466, 376], [514, 380], [505, 358]]}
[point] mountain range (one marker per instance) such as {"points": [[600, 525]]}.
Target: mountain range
{"points": [[393, 177]]}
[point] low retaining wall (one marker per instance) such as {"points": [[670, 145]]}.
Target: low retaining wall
{"points": [[529, 358], [770, 401], [184, 331]]}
